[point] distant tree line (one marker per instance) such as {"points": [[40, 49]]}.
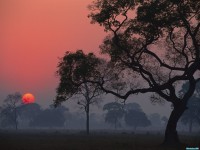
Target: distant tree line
{"points": [[15, 114]]}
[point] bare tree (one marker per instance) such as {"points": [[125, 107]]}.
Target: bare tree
{"points": [[91, 95], [10, 108]]}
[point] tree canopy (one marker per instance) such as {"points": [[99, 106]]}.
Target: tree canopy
{"points": [[50, 117], [154, 47], [192, 114], [135, 118], [159, 42], [74, 69], [9, 112], [114, 113]]}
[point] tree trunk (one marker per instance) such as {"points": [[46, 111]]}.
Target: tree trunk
{"points": [[171, 136], [16, 123], [87, 120]]}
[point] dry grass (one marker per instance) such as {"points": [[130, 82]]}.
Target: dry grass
{"points": [[57, 140]]}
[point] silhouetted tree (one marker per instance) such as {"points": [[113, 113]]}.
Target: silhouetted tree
{"points": [[192, 114], [155, 119], [158, 42], [28, 112], [114, 113], [9, 111], [50, 117], [6, 120], [79, 67], [135, 118], [132, 106], [164, 119]]}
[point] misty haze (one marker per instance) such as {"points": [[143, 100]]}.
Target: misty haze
{"points": [[100, 75]]}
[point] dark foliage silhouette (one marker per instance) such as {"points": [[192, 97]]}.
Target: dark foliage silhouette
{"points": [[50, 117], [114, 113], [132, 106], [78, 67], [134, 118], [192, 115], [9, 111], [28, 112], [155, 119], [159, 45]]}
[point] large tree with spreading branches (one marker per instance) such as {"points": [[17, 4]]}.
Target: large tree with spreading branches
{"points": [[154, 47], [158, 41]]}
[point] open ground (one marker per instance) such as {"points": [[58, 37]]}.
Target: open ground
{"points": [[78, 140]]}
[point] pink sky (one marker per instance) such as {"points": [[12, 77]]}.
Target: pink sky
{"points": [[34, 33]]}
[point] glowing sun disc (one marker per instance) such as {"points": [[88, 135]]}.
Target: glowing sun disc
{"points": [[28, 98]]}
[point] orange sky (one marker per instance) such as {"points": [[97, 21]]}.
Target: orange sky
{"points": [[33, 34]]}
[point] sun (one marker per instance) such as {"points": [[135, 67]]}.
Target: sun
{"points": [[28, 98]]}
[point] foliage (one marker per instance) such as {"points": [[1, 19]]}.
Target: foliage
{"points": [[132, 106], [51, 117], [155, 119], [115, 112], [29, 111], [7, 118], [158, 41], [9, 111], [191, 115], [74, 69], [135, 38], [135, 118]]}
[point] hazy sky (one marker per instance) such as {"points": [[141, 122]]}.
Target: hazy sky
{"points": [[33, 34]]}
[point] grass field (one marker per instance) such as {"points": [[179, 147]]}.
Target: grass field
{"points": [[59, 140]]}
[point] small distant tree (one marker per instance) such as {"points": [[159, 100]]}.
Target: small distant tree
{"points": [[9, 111], [134, 118], [155, 119], [115, 112], [74, 69]]}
